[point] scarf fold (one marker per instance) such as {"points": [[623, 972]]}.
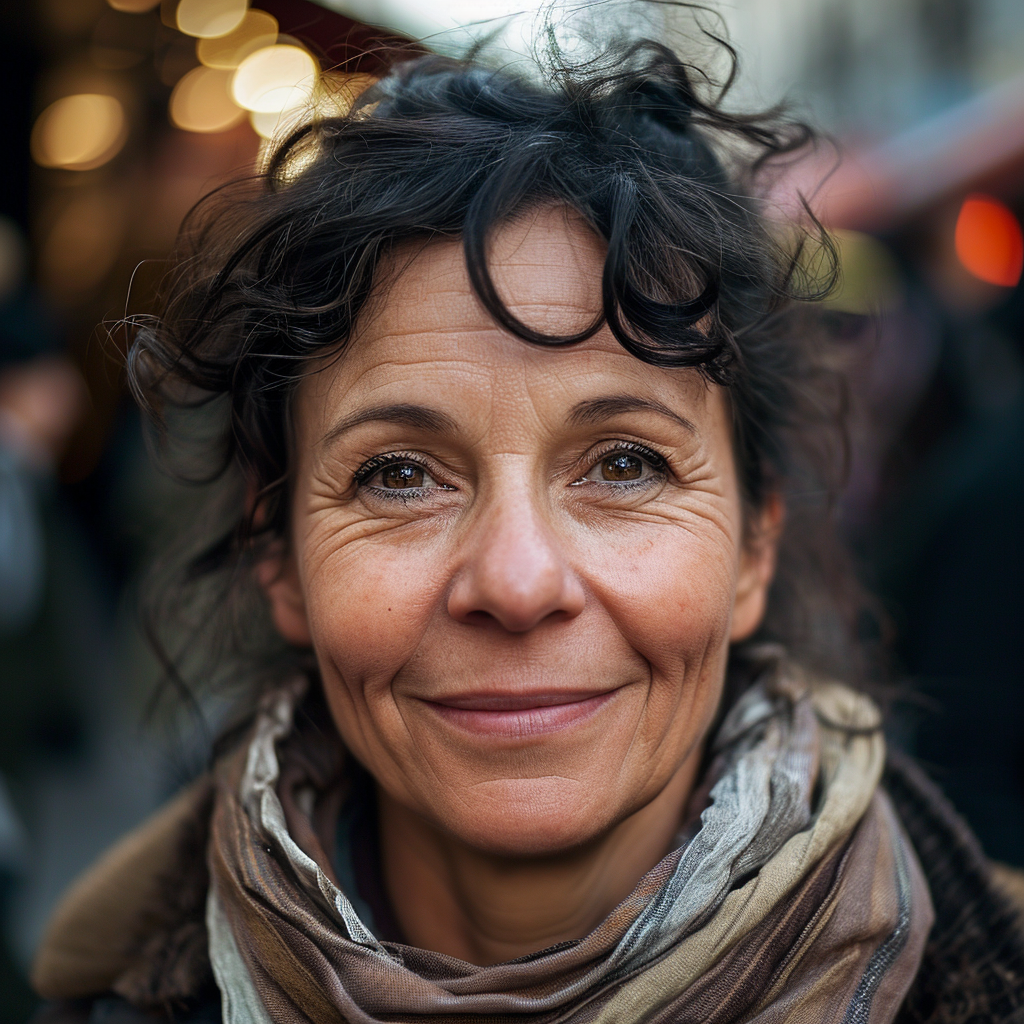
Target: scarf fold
{"points": [[797, 898]]}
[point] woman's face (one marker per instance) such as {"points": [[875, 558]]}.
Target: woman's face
{"points": [[520, 567]]}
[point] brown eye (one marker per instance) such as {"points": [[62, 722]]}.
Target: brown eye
{"points": [[402, 475], [627, 467], [622, 466]]}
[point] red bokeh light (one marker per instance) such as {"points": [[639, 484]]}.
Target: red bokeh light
{"points": [[989, 241]]}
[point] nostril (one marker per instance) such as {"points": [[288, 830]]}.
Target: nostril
{"points": [[480, 598]]}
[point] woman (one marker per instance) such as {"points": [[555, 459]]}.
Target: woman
{"points": [[517, 414]]}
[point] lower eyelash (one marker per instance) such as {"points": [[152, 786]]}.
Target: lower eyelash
{"points": [[399, 494]]}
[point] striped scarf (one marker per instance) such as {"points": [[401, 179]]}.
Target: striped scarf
{"points": [[798, 897]]}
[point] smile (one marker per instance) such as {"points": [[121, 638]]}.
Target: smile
{"points": [[517, 716]]}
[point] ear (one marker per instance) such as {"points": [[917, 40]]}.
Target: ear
{"points": [[757, 567], [278, 574]]}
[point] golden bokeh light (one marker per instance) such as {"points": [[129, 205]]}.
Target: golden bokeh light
{"points": [[209, 19], [275, 78], [258, 29], [79, 132], [333, 97], [201, 102], [277, 123], [133, 6]]}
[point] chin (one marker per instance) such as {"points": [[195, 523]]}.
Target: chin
{"points": [[531, 817]]}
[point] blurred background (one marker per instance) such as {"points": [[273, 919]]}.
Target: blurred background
{"points": [[120, 114]]}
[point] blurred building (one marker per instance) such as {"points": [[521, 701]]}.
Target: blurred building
{"points": [[869, 70]]}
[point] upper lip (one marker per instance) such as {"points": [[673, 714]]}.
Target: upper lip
{"points": [[519, 701]]}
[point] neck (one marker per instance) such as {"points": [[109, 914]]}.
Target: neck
{"points": [[485, 909]]}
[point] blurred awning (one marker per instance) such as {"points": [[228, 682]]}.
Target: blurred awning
{"points": [[976, 145]]}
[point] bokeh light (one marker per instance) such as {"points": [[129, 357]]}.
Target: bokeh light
{"points": [[257, 30], [133, 6], [276, 124], [201, 102], [79, 132], [275, 78], [870, 280], [333, 97], [208, 19], [989, 242]]}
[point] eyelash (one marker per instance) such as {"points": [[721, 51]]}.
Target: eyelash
{"points": [[657, 462], [378, 462]]}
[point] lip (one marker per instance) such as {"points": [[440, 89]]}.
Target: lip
{"points": [[519, 715]]}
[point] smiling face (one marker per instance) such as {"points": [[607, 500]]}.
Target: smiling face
{"points": [[520, 567]]}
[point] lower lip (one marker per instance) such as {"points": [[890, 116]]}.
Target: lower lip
{"points": [[523, 722]]}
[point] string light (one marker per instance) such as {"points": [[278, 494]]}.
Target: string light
{"points": [[208, 19], [989, 241], [275, 78], [79, 132], [201, 102], [257, 30]]}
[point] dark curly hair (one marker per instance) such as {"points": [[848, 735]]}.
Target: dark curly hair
{"points": [[274, 270]]}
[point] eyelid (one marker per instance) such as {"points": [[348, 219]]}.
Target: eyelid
{"points": [[655, 459], [385, 459]]}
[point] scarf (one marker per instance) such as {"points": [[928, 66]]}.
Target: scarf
{"points": [[798, 897]]}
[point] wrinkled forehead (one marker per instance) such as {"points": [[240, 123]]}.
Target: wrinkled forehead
{"points": [[426, 329]]}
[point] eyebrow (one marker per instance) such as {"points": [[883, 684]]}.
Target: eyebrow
{"points": [[418, 416], [596, 409]]}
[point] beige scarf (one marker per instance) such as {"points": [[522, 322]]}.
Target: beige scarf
{"points": [[797, 899]]}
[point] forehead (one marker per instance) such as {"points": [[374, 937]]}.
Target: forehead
{"points": [[545, 265], [426, 333]]}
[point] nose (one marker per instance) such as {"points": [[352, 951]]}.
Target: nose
{"points": [[515, 571]]}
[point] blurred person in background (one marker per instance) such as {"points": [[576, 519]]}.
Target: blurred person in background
{"points": [[42, 400]]}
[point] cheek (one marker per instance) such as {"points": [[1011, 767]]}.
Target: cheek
{"points": [[368, 605], [671, 594], [674, 607]]}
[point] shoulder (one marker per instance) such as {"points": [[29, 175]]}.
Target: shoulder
{"points": [[133, 926], [973, 967]]}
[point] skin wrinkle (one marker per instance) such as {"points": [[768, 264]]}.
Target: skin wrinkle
{"points": [[518, 576]]}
